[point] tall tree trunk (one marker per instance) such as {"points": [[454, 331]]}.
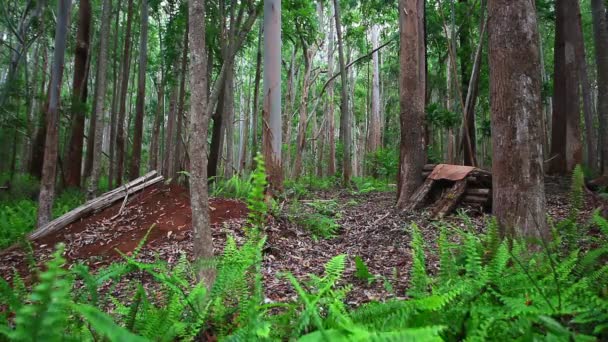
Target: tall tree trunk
{"points": [[197, 143], [73, 159], [100, 93], [217, 136], [374, 141], [600, 33], [49, 165], [243, 129], [345, 117], [566, 148], [229, 125], [589, 115], [32, 109], [412, 95], [37, 154], [288, 109], [177, 163], [256, 94], [120, 131], [307, 54], [515, 92], [271, 137], [469, 136], [115, 94], [331, 131], [155, 139], [134, 168]]}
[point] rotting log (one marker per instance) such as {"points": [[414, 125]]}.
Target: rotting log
{"points": [[419, 197], [450, 199], [446, 186], [97, 204]]}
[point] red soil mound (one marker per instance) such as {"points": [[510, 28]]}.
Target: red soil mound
{"points": [[99, 237]]}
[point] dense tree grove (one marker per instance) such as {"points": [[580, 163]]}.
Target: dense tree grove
{"points": [[95, 93]]}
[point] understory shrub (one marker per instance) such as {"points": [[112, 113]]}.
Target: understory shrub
{"points": [[18, 217]]}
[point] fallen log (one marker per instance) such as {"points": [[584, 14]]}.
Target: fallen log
{"points": [[97, 204], [450, 199], [475, 199], [478, 192]]}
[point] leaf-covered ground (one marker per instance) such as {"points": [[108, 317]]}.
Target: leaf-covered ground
{"points": [[369, 227]]}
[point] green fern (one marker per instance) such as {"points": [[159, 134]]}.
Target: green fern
{"points": [[419, 279]]}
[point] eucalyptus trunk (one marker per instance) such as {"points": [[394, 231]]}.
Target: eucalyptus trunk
{"points": [[49, 165]]}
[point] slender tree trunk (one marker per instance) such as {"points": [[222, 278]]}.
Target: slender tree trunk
{"points": [[243, 129], [217, 136], [307, 55], [412, 94], [73, 159], [229, 125], [199, 122], [374, 141], [345, 119], [515, 93], [331, 120], [256, 93], [469, 136], [32, 110], [134, 168], [115, 94], [37, 154], [600, 33], [177, 163], [589, 115], [49, 165], [100, 93], [272, 95], [120, 131], [288, 109], [566, 148], [155, 139]]}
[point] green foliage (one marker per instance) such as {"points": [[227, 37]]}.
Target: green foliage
{"points": [[486, 289], [362, 271], [321, 221], [382, 163], [236, 187], [258, 208], [18, 218], [577, 191], [364, 185]]}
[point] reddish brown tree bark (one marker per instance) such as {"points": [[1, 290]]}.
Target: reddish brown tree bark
{"points": [[412, 90], [73, 159], [566, 147], [120, 130], [515, 93], [141, 94], [51, 145]]}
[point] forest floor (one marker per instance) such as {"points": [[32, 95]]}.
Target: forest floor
{"points": [[370, 228]]}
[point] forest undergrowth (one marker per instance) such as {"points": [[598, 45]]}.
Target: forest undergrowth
{"points": [[465, 285]]}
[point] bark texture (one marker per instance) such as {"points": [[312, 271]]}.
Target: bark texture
{"points": [[600, 32], [515, 92], [345, 117], [122, 102], [566, 147], [141, 94], [412, 90], [374, 141], [100, 93], [49, 165], [73, 159], [197, 144], [271, 136]]}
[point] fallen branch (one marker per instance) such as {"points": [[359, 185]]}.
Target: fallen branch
{"points": [[97, 204]]}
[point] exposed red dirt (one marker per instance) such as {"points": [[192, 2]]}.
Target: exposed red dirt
{"points": [[102, 237]]}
